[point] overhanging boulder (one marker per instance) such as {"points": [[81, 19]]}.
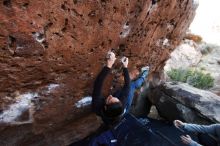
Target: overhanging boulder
{"points": [[51, 52]]}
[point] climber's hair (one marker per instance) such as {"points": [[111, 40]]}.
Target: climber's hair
{"points": [[114, 110]]}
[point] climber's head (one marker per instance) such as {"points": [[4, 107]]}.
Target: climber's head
{"points": [[113, 107], [111, 100]]}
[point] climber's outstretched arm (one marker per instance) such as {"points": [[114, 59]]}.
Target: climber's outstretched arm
{"points": [[98, 100]]}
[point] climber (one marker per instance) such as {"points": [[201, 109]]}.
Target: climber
{"points": [[114, 107], [213, 130], [137, 81], [110, 108]]}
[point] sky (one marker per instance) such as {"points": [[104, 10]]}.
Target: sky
{"points": [[207, 21]]}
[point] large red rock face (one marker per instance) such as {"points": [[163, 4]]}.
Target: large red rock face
{"points": [[51, 52]]}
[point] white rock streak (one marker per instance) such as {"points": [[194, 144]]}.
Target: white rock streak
{"points": [[126, 31], [84, 102], [38, 37], [166, 42], [162, 42], [15, 110], [151, 8], [51, 87]]}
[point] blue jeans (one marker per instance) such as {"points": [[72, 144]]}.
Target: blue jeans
{"points": [[134, 85]]}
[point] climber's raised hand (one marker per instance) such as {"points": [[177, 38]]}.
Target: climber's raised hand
{"points": [[124, 61], [110, 59]]}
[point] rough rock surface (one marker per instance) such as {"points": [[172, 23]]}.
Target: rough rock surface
{"points": [[180, 101], [51, 51], [184, 56]]}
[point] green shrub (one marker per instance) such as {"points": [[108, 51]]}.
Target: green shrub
{"points": [[193, 77]]}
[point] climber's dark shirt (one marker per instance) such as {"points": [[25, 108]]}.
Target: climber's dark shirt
{"points": [[98, 100]]}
